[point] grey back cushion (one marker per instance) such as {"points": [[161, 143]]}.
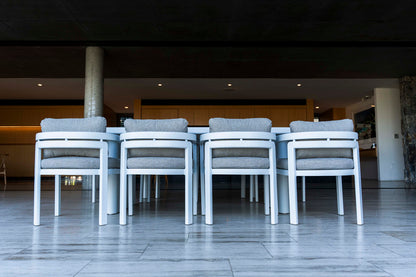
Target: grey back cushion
{"points": [[240, 125], [90, 124], [334, 125], [156, 125]]}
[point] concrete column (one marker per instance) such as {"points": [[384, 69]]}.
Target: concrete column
{"points": [[94, 82]]}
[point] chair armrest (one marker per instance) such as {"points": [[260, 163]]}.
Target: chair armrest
{"points": [[238, 136]]}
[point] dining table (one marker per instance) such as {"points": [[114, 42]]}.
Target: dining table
{"points": [[282, 182]]}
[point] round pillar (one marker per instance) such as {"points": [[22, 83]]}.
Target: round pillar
{"points": [[94, 82]]}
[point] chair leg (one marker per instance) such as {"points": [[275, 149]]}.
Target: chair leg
{"points": [[303, 189], [145, 187], [123, 198], [266, 195], [37, 187], [358, 199], [293, 198], [274, 204], [188, 198], [340, 198], [243, 186], [157, 187], [141, 189], [57, 195], [130, 193], [208, 188], [202, 178], [148, 188], [251, 188], [256, 187], [93, 189]]}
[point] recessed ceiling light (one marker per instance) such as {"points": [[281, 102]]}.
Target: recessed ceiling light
{"points": [[317, 107], [230, 85], [159, 85], [299, 84], [126, 107], [40, 85]]}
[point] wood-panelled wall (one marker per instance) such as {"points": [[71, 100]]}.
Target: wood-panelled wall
{"points": [[198, 115], [333, 114]]}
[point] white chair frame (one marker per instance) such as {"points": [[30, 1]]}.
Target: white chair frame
{"points": [[259, 140], [178, 140], [76, 140], [323, 139]]}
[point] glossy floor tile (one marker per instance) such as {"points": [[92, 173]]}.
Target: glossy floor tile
{"points": [[240, 243]]}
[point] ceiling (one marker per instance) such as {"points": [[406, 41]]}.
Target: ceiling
{"points": [[339, 50]]}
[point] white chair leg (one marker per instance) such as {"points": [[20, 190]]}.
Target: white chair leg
{"points": [[274, 204], [145, 181], [357, 185], [36, 194], [251, 188], [202, 178], [130, 193], [303, 189], [123, 197], [243, 186], [256, 187], [340, 198], [148, 188], [57, 195], [266, 195], [141, 188], [103, 197], [188, 198], [293, 197], [208, 189], [93, 189], [157, 186]]}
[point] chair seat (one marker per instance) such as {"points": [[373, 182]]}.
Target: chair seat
{"points": [[156, 163], [318, 164], [77, 163], [240, 162]]}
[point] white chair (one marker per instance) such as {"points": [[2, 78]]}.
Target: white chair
{"points": [[156, 147], [74, 146], [321, 149], [3, 168], [240, 147]]}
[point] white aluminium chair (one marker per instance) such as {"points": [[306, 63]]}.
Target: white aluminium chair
{"points": [[240, 147], [156, 147], [328, 148], [74, 146]]}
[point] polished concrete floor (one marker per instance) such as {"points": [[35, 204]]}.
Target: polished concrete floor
{"points": [[240, 243]]}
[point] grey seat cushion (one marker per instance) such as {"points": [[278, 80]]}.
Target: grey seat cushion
{"points": [[91, 124], [156, 125], [318, 164], [240, 162], [240, 125], [334, 125], [156, 163], [77, 163]]}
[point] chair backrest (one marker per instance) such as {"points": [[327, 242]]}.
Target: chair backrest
{"points": [[90, 124], [334, 125], [156, 125], [240, 125]]}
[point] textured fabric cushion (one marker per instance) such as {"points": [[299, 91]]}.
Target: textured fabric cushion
{"points": [[90, 124], [319, 163], [241, 125], [334, 125], [156, 125], [145, 162], [245, 124], [77, 163], [240, 162]]}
